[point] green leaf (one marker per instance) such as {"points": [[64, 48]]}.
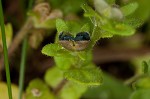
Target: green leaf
{"points": [[71, 91], [133, 22], [96, 34], [86, 56], [119, 29], [138, 66], [129, 9], [61, 26], [37, 89], [143, 11], [4, 91], [74, 27], [105, 28], [146, 67], [142, 83], [141, 94], [111, 88], [99, 33], [86, 76], [64, 62], [85, 28], [53, 76], [89, 12], [8, 33], [54, 50]]}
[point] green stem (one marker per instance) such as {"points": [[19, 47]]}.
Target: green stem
{"points": [[30, 5], [5, 52], [23, 59], [22, 67]]}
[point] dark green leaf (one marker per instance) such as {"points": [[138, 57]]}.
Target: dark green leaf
{"points": [[142, 83], [110, 89], [143, 11], [141, 94], [145, 67]]}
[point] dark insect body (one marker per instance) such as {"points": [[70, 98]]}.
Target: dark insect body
{"points": [[78, 43]]}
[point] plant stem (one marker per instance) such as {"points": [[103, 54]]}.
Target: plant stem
{"points": [[22, 67], [5, 52], [60, 86], [132, 79], [20, 36], [23, 59], [17, 40]]}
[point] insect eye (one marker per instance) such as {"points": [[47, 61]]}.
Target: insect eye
{"points": [[82, 36], [65, 37]]}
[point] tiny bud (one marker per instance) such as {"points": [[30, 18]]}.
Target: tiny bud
{"points": [[116, 14], [36, 92], [100, 5], [42, 9]]}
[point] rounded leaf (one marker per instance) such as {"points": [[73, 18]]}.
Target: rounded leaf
{"points": [[37, 89], [85, 76]]}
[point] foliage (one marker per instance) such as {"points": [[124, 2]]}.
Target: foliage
{"points": [[104, 27], [53, 78], [77, 66], [4, 92], [74, 73], [110, 89], [37, 89], [67, 6], [9, 35], [141, 85]]}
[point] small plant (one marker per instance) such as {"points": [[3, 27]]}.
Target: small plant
{"points": [[76, 27], [68, 52], [72, 50], [141, 83]]}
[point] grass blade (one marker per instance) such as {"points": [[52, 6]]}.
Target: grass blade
{"points": [[22, 67], [23, 60], [5, 52]]}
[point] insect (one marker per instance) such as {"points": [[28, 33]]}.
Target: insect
{"points": [[77, 43]]}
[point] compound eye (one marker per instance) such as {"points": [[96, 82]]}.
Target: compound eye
{"points": [[65, 37], [82, 36]]}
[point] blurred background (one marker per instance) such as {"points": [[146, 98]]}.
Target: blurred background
{"points": [[120, 57]]}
